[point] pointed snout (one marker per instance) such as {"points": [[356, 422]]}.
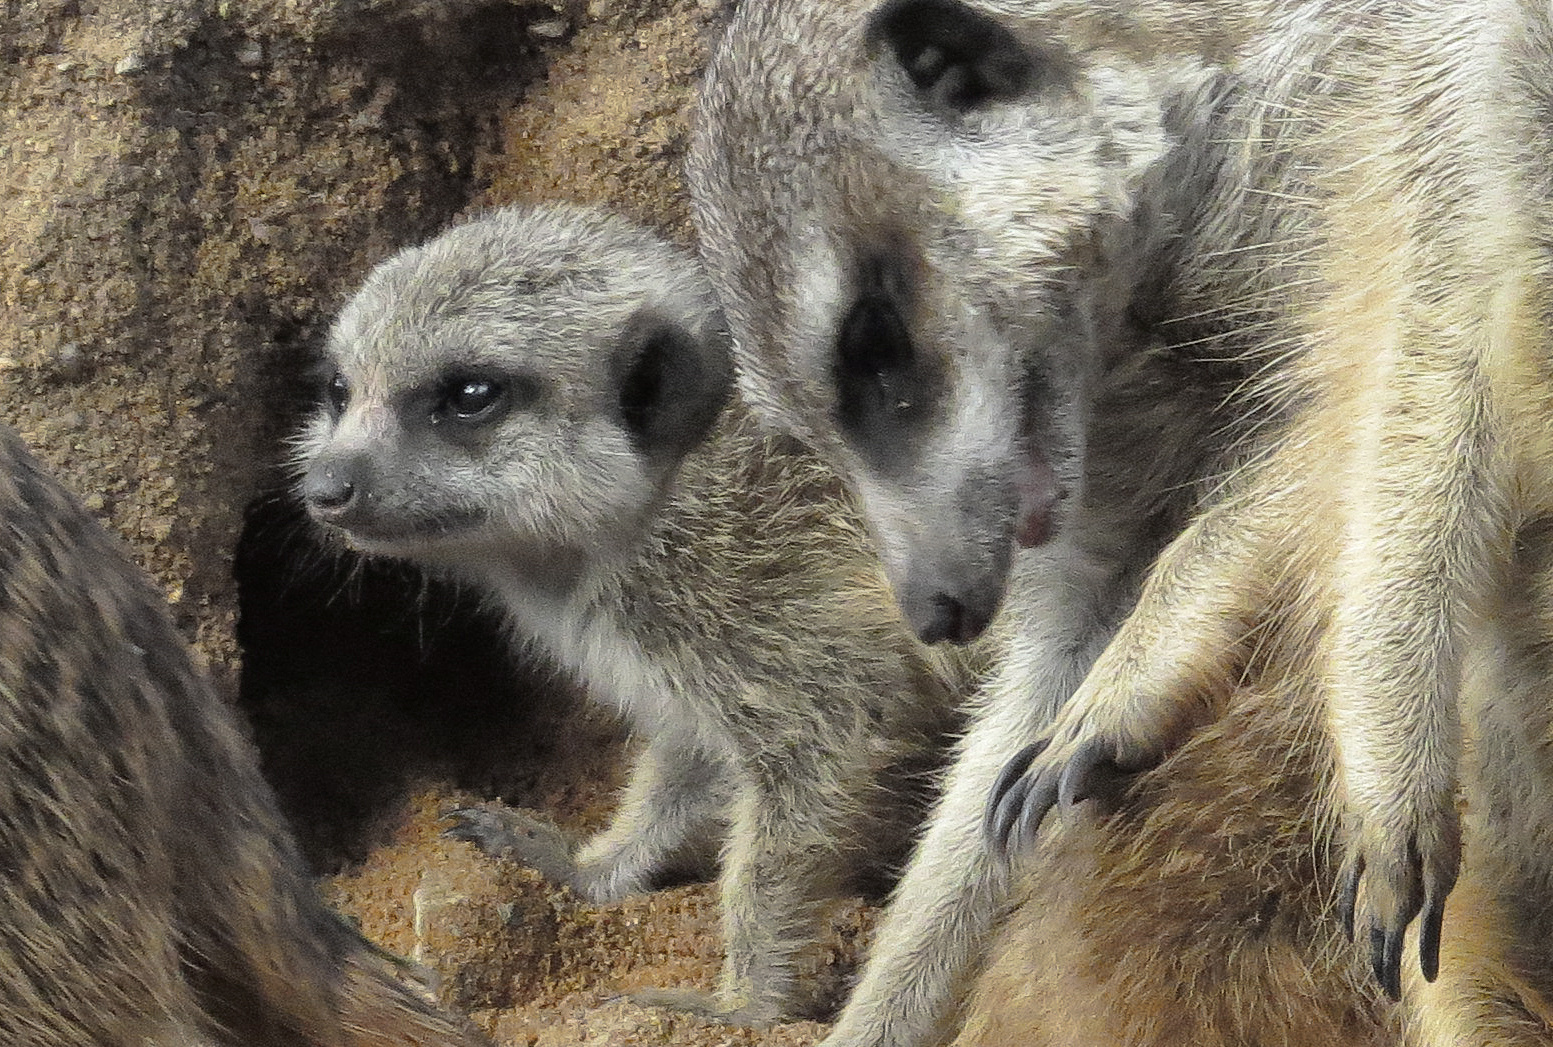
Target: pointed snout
{"points": [[953, 605], [948, 547], [334, 488]]}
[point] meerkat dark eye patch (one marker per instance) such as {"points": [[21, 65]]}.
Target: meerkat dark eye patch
{"points": [[955, 55], [672, 386], [884, 389], [478, 398]]}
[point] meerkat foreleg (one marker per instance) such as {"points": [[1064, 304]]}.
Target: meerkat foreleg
{"points": [[952, 891], [1184, 644], [675, 798], [944, 907], [673, 801], [1423, 514]]}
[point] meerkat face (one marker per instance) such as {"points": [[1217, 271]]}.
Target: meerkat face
{"points": [[521, 388], [912, 214]]}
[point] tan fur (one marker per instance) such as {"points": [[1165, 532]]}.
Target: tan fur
{"points": [[1197, 915], [152, 893], [1397, 496], [1349, 201], [706, 580]]}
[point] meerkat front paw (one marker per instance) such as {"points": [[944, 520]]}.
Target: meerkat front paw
{"points": [[702, 1005], [1039, 777], [1087, 754], [1407, 867], [511, 834]]}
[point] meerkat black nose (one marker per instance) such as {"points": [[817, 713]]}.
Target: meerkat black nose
{"points": [[328, 490], [954, 620]]}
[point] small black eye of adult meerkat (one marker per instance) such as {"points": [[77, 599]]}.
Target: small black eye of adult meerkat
{"points": [[471, 399], [874, 345], [339, 393]]}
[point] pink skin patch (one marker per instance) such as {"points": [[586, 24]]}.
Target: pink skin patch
{"points": [[1037, 487]]}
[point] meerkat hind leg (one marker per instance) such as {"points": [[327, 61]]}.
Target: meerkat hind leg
{"points": [[779, 863]]}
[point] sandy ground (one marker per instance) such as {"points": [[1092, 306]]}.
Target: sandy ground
{"points": [[533, 965]]}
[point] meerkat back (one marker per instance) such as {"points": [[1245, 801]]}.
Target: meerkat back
{"points": [[152, 893]]}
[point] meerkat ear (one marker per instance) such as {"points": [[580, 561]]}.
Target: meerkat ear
{"points": [[957, 56], [672, 385]]}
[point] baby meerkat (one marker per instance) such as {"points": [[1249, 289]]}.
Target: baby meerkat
{"points": [[535, 403], [152, 893]]}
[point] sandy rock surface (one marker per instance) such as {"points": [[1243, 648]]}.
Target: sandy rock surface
{"points": [[188, 188], [533, 965]]}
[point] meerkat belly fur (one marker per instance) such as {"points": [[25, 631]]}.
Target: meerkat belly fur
{"points": [[152, 894], [1348, 202], [536, 403]]}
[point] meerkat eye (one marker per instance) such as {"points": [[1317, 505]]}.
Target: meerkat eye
{"points": [[339, 393], [471, 399], [873, 345]]}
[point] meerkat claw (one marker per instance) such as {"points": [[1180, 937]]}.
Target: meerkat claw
{"points": [[1348, 898], [998, 817], [1429, 929], [1009, 816], [508, 834], [1080, 777], [1386, 959], [1040, 798]]}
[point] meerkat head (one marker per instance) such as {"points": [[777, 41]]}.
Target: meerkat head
{"points": [[920, 216], [520, 389]]}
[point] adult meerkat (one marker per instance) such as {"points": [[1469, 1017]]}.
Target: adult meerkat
{"points": [[1345, 201], [918, 288], [533, 403], [152, 894]]}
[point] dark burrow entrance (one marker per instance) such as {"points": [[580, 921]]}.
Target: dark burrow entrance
{"points": [[362, 679]]}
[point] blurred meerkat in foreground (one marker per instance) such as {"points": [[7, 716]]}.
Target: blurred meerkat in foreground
{"points": [[533, 403], [1347, 204], [152, 894]]}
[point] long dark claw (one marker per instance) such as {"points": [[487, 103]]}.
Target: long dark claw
{"points": [[1040, 798], [1078, 777], [1012, 772], [1429, 928], [1386, 959], [1348, 900], [1005, 816]]}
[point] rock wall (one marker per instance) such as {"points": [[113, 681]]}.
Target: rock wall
{"points": [[188, 188]]}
